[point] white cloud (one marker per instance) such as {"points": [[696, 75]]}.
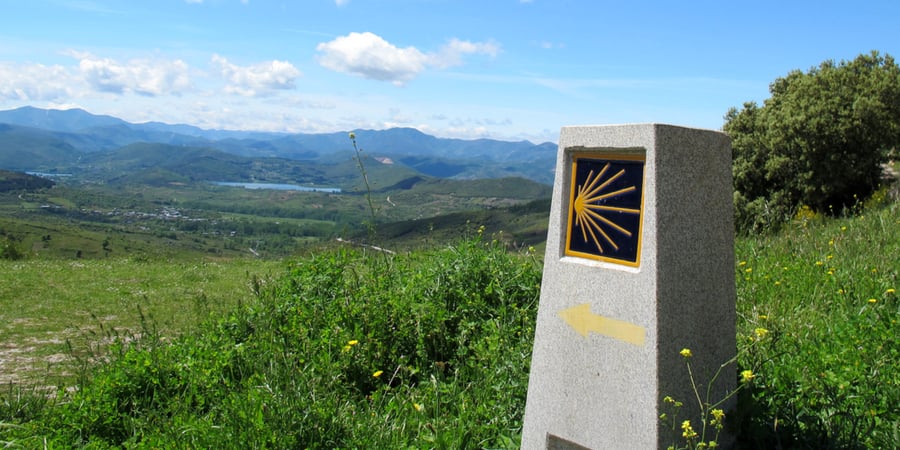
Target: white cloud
{"points": [[258, 79], [141, 76], [35, 82], [341, 2], [370, 56]]}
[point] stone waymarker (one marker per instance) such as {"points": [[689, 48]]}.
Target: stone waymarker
{"points": [[639, 265]]}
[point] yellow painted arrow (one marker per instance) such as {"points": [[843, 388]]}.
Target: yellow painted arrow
{"points": [[583, 321]]}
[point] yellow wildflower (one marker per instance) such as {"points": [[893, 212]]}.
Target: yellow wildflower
{"points": [[873, 300], [747, 376], [688, 431], [686, 352], [377, 373], [890, 291], [350, 345], [761, 332], [418, 406]]}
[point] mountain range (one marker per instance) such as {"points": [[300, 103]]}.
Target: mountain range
{"points": [[106, 148]]}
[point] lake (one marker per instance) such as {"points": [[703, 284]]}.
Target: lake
{"points": [[277, 187]]}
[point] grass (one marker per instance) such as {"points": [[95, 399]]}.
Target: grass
{"points": [[51, 303], [826, 292], [430, 349], [346, 350]]}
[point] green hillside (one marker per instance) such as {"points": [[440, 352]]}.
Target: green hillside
{"points": [[132, 163], [30, 149], [17, 181]]}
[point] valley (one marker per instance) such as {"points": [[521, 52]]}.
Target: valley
{"points": [[111, 188]]}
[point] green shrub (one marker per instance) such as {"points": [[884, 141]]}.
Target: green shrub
{"points": [[9, 250], [819, 141]]}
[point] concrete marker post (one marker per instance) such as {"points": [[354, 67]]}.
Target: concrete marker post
{"points": [[639, 265]]}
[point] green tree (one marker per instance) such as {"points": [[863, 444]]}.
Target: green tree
{"points": [[819, 141]]}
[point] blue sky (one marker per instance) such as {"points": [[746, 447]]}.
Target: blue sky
{"points": [[504, 69]]}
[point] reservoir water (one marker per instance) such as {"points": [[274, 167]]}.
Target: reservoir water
{"points": [[277, 187]]}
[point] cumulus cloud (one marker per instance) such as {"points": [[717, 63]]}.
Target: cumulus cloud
{"points": [[257, 79], [370, 56], [36, 82], [150, 77]]}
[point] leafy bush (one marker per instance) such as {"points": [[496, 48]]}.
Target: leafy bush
{"points": [[819, 141], [9, 250]]}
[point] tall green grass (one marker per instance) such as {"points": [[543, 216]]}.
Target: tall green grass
{"points": [[827, 368]]}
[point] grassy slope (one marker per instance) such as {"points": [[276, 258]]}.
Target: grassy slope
{"points": [[49, 302], [826, 291]]}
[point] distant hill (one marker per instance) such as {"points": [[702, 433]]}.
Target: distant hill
{"points": [[68, 120], [136, 161], [17, 181], [34, 139], [23, 148]]}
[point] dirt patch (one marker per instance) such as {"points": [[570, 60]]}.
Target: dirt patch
{"points": [[29, 361], [24, 363]]}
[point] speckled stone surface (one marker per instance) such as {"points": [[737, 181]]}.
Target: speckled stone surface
{"points": [[602, 392]]}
